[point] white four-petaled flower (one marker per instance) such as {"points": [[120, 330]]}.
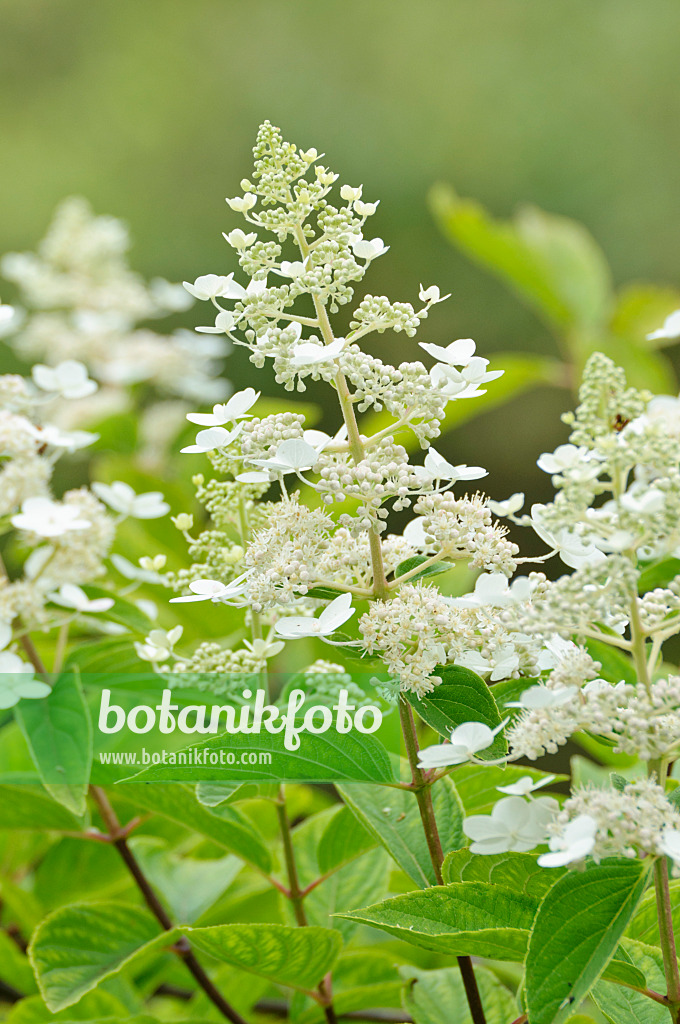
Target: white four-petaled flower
{"points": [[122, 498], [210, 439], [71, 596], [333, 616], [213, 590], [575, 843], [234, 409], [69, 379], [514, 826], [48, 518], [466, 741]]}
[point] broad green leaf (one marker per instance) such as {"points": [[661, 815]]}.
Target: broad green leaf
{"points": [[73, 871], [615, 664], [188, 886], [93, 1007], [658, 574], [436, 569], [432, 997], [228, 828], [77, 947], [462, 696], [465, 918], [641, 308], [58, 731], [297, 957], [361, 978], [625, 1006], [553, 263], [324, 757], [343, 839], [353, 885], [644, 925], [393, 818], [212, 794], [517, 871], [14, 966], [25, 804], [577, 930], [476, 785], [101, 656]]}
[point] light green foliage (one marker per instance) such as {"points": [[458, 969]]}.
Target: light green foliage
{"points": [[434, 996]]}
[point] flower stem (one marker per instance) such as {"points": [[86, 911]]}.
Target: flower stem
{"points": [[665, 917], [296, 896], [427, 816], [181, 948]]}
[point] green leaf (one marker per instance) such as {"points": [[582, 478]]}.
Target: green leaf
{"points": [[476, 785], [322, 757], [213, 794], [640, 309], [392, 817], [615, 664], [577, 930], [77, 947], [297, 957], [551, 262], [93, 1007], [463, 919], [435, 569], [14, 965], [187, 885], [517, 871], [99, 657], [352, 885], [432, 997], [644, 925], [462, 696], [658, 574], [126, 613], [58, 731], [361, 978], [228, 828], [625, 1006], [343, 840], [26, 805]]}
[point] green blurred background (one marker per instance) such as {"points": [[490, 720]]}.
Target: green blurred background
{"points": [[149, 108]]}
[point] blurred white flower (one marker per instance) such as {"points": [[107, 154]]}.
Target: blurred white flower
{"points": [[574, 844], [536, 697], [670, 330], [508, 507], [670, 844], [159, 644], [332, 617], [70, 440], [436, 467], [351, 193], [525, 786], [122, 498], [68, 379], [48, 518], [17, 682], [71, 596], [366, 209], [494, 590]]}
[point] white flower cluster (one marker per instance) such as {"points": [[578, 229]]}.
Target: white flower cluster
{"points": [[83, 302], [631, 822], [288, 556]]}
